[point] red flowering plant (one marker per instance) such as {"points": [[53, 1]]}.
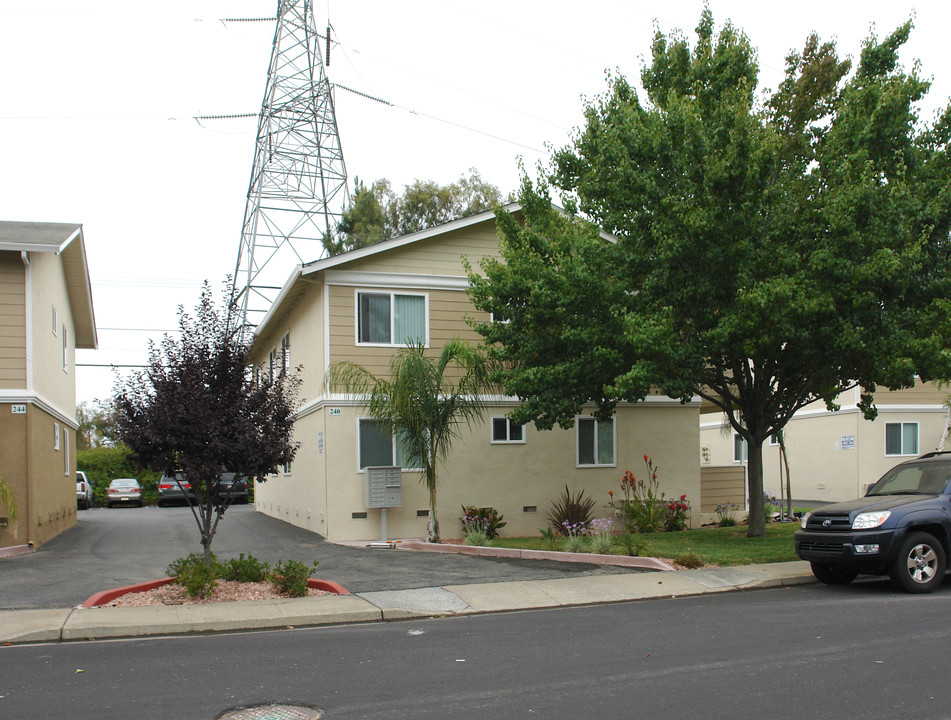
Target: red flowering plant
{"points": [[642, 507], [678, 512]]}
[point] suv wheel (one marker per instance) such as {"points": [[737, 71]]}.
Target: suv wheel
{"points": [[832, 575], [920, 565]]}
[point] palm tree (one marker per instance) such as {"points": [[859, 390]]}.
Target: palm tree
{"points": [[423, 402]]}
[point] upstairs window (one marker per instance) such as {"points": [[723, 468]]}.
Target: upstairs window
{"points": [[391, 319], [286, 353]]}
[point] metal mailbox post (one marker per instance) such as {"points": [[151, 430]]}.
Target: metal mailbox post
{"points": [[384, 490]]}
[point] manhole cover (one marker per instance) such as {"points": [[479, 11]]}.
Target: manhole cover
{"points": [[274, 712]]}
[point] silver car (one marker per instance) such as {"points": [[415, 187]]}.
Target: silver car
{"points": [[124, 491]]}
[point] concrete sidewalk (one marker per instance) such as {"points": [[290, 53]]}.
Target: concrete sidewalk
{"points": [[54, 625]]}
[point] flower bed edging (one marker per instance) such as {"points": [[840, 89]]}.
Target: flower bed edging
{"points": [[107, 596]]}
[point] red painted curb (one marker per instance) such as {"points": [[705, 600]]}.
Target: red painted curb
{"points": [[107, 596], [327, 586]]}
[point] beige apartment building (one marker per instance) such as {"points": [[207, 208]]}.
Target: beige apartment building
{"points": [[351, 307], [834, 456], [46, 312]]}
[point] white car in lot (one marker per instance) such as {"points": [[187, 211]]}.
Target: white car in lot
{"points": [[84, 499]]}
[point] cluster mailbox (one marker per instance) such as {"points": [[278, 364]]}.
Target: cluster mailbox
{"points": [[384, 487]]}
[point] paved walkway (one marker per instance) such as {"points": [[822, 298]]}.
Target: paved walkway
{"points": [[54, 625]]}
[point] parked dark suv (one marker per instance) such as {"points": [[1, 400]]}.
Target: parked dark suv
{"points": [[900, 528]]}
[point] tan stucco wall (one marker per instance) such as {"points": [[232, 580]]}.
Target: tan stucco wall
{"points": [[56, 385], [12, 322], [325, 489], [44, 483], [305, 323], [13, 469]]}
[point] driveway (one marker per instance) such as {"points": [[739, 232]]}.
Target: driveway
{"points": [[121, 546]]}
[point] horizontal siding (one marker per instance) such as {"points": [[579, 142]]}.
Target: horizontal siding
{"points": [[440, 255], [448, 310], [921, 394], [722, 486], [12, 322]]}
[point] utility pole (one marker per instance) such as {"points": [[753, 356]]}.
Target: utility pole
{"points": [[298, 189]]}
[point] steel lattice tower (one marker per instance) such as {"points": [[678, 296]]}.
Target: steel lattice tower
{"points": [[298, 187]]}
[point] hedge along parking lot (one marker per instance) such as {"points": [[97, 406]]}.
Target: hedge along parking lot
{"points": [[113, 548]]}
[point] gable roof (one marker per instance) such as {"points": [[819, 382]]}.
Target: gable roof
{"points": [[296, 284], [65, 240]]}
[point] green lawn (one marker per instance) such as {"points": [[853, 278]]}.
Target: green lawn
{"points": [[715, 546]]}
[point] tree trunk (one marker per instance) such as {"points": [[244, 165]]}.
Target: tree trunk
{"points": [[947, 426], [785, 460], [754, 467], [433, 522]]}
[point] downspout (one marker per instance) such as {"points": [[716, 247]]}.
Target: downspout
{"points": [[27, 512]]}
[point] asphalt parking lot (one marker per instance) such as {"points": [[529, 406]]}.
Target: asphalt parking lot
{"points": [[121, 546]]}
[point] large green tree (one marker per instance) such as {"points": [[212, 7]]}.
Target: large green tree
{"points": [[377, 213], [423, 403], [768, 253]]}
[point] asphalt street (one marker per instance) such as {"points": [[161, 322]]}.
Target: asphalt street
{"points": [[857, 651], [122, 546]]}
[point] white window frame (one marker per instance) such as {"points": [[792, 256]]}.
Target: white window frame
{"points": [[65, 349], [393, 448], [66, 452], [745, 449], [286, 353], [55, 322], [905, 452], [392, 294], [56, 437], [597, 431], [508, 431]]}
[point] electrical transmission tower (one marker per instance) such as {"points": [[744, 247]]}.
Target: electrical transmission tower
{"points": [[298, 188]]}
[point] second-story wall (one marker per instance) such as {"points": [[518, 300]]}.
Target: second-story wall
{"points": [[53, 333], [12, 322]]}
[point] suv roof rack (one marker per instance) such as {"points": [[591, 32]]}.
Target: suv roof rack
{"points": [[934, 453]]}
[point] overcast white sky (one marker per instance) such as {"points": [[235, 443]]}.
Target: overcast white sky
{"points": [[99, 98]]}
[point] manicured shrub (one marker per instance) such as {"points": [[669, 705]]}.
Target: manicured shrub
{"points": [[245, 569], [689, 559], [195, 577], [291, 577], [570, 514]]}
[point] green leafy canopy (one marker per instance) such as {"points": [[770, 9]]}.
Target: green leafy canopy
{"points": [[768, 254]]}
